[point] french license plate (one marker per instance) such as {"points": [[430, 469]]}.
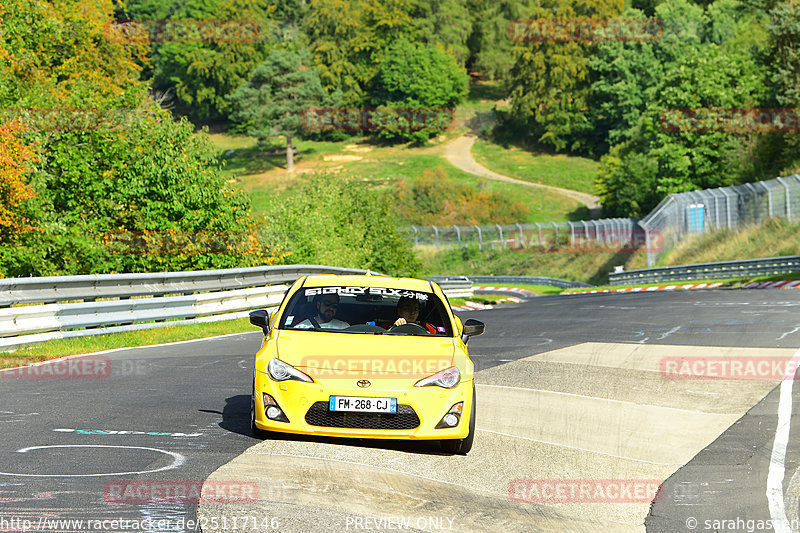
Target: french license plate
{"points": [[360, 404]]}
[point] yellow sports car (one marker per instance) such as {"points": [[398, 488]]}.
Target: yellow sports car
{"points": [[365, 357]]}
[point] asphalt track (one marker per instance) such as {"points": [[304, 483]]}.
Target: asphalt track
{"points": [[570, 389]]}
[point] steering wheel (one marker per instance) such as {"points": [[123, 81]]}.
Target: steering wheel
{"points": [[409, 327]]}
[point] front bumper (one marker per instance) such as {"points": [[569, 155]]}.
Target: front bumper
{"points": [[419, 409]]}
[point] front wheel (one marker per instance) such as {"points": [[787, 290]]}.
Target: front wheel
{"points": [[463, 446]]}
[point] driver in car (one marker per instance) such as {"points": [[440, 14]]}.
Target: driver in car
{"points": [[408, 313], [326, 304]]}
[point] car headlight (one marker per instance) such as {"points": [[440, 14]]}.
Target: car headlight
{"points": [[280, 371], [447, 379]]}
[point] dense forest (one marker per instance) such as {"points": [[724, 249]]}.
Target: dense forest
{"points": [[100, 102]]}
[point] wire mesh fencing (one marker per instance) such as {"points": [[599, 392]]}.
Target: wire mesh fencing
{"points": [[685, 214], [611, 234], [678, 216]]}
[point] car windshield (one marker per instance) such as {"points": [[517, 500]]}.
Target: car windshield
{"points": [[369, 310]]}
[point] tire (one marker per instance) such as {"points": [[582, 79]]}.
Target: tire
{"points": [[255, 430], [463, 446]]}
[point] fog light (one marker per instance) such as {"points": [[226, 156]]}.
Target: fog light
{"points": [[452, 418], [272, 409]]}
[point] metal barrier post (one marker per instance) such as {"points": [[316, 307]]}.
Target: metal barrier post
{"points": [[788, 199], [458, 234]]}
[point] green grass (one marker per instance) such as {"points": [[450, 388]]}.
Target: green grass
{"points": [[243, 156], [486, 299], [776, 237], [567, 172], [544, 206], [588, 266], [261, 171], [78, 345], [261, 174], [482, 97], [539, 290]]}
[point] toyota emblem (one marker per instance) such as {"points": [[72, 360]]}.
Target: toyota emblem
{"points": [[364, 383]]}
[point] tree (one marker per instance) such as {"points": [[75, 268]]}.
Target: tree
{"points": [[274, 98], [549, 82], [784, 59], [664, 157], [415, 76], [147, 9], [61, 55], [446, 24], [335, 220], [15, 155], [707, 60], [117, 185], [202, 73], [624, 78], [346, 39], [489, 43]]}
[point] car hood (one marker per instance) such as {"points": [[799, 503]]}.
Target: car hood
{"points": [[346, 354]]}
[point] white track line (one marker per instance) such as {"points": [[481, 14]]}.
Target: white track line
{"points": [[174, 343], [777, 510]]}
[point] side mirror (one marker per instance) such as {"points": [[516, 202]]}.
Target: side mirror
{"points": [[260, 318], [472, 328]]}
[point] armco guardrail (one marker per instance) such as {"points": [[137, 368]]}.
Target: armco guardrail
{"points": [[454, 286], [527, 280], [726, 269], [50, 317], [91, 287], [36, 323]]}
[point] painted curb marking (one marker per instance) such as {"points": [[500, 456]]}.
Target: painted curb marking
{"points": [[177, 460]]}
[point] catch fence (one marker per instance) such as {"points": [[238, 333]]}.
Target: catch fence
{"points": [[678, 216]]}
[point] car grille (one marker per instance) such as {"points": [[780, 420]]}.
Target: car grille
{"points": [[405, 418]]}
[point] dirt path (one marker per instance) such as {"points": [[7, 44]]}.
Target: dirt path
{"points": [[459, 153]]}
